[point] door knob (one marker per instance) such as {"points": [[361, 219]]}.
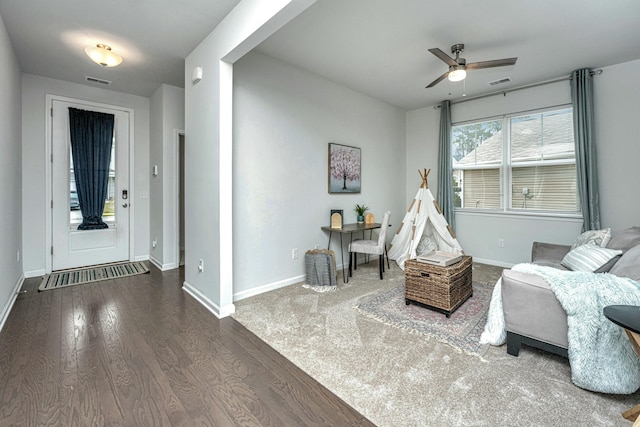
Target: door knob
{"points": [[124, 205]]}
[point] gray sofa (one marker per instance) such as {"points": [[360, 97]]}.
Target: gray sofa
{"points": [[533, 315]]}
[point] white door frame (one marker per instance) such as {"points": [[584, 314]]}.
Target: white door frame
{"points": [[49, 171]]}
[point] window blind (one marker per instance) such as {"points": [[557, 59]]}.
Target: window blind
{"points": [[481, 188], [551, 188]]}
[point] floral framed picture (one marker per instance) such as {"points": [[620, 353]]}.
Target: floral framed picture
{"points": [[344, 169]]}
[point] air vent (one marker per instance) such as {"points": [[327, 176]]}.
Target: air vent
{"points": [[97, 81], [500, 81]]}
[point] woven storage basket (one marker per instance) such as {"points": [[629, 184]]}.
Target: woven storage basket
{"points": [[441, 288], [320, 267]]}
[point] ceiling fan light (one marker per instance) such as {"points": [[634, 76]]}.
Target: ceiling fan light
{"points": [[102, 55], [457, 75]]}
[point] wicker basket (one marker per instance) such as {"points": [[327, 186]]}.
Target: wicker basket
{"points": [[440, 288]]}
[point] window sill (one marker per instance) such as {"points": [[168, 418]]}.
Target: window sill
{"points": [[569, 217]]}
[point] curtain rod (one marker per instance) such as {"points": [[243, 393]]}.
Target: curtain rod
{"points": [[529, 86]]}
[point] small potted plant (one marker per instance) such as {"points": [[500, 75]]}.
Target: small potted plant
{"points": [[360, 210]]}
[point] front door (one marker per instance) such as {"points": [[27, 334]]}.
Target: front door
{"points": [[77, 248]]}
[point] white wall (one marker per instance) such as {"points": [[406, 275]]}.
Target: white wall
{"points": [[284, 118], [421, 150], [156, 154], [10, 175], [173, 121], [34, 90], [208, 146], [616, 108], [167, 118]]}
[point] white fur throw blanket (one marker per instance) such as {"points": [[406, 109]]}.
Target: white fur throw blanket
{"points": [[601, 356]]}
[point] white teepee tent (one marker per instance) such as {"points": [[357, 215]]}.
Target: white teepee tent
{"points": [[423, 228]]}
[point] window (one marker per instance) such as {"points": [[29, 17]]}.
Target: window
{"points": [[532, 155], [108, 214]]}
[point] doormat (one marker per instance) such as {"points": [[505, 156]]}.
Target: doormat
{"points": [[81, 276], [461, 330]]}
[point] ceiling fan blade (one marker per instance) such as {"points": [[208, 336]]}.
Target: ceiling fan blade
{"points": [[438, 80], [443, 56], [491, 64]]}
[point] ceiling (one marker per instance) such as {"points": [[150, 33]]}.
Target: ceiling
{"points": [[377, 47], [153, 37]]}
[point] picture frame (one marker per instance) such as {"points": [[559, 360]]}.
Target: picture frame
{"points": [[345, 169]]}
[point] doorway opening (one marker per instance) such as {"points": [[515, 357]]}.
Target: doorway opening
{"points": [[180, 196]]}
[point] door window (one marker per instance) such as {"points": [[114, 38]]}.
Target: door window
{"points": [[108, 215]]}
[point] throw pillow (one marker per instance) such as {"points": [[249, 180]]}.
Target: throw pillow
{"points": [[591, 258], [427, 244], [626, 239], [628, 265], [595, 237]]}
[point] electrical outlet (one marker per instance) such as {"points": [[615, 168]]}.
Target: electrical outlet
{"points": [[155, 242], [501, 243], [317, 247], [201, 266], [294, 253], [18, 256]]}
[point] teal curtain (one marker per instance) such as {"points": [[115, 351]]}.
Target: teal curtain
{"points": [[91, 139], [586, 161], [445, 171]]}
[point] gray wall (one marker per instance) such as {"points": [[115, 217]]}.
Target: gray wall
{"points": [[617, 148], [209, 143], [34, 91], [284, 118], [617, 110], [10, 175], [167, 117], [155, 184], [172, 122]]}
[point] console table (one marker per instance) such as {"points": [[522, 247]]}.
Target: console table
{"points": [[628, 317], [348, 229]]}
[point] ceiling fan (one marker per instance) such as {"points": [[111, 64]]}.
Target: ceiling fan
{"points": [[458, 67]]}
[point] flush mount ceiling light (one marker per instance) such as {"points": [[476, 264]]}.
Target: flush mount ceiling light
{"points": [[102, 54]]}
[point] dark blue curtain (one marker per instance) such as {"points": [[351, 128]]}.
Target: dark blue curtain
{"points": [[585, 139], [91, 139], [445, 166]]}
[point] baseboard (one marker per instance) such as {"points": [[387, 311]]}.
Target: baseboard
{"points": [[169, 266], [155, 262], [34, 273], [141, 258], [214, 308], [162, 267], [492, 262], [268, 287], [9, 305]]}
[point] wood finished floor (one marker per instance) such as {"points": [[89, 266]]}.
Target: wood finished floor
{"points": [[139, 351]]}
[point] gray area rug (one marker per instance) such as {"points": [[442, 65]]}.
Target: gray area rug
{"points": [[81, 276], [461, 330], [396, 378]]}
